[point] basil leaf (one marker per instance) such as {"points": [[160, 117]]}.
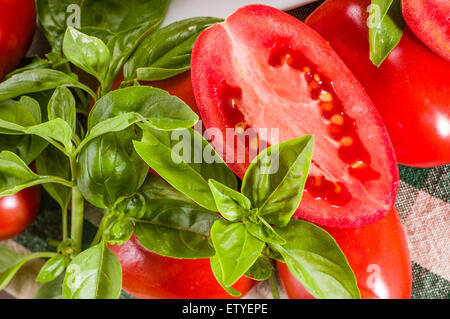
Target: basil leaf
{"points": [[167, 51], [27, 147], [315, 259], [94, 274], [25, 112], [57, 129], [118, 229], [10, 263], [34, 63], [173, 225], [218, 273], [386, 26], [161, 110], [236, 249], [15, 175], [263, 231], [261, 270], [62, 105], [275, 179], [51, 290], [37, 81], [53, 162], [54, 267], [109, 168], [231, 204], [181, 163], [88, 53]]}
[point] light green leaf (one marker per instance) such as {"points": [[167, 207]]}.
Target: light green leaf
{"points": [[62, 105], [231, 204]]}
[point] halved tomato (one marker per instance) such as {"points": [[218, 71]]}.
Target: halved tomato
{"points": [[265, 70], [379, 256], [430, 21]]}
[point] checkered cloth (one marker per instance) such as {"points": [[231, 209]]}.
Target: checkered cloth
{"points": [[422, 202]]}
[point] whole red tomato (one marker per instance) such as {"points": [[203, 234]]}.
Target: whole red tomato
{"points": [[379, 256], [17, 21], [150, 276], [18, 211], [430, 22], [411, 88]]}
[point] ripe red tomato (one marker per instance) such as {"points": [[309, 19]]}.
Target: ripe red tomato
{"points": [[263, 69], [18, 211], [379, 256], [17, 21], [411, 88], [430, 21], [150, 276]]}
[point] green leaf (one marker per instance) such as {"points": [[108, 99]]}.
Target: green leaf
{"points": [[275, 179], [94, 274], [386, 26], [52, 269], [173, 225], [39, 80], [315, 259], [236, 249], [62, 105], [57, 129], [88, 53], [10, 263], [25, 112], [231, 204], [167, 51], [53, 162], [161, 110], [118, 228], [27, 147], [261, 270], [187, 164], [218, 273], [263, 231], [51, 290], [109, 168]]}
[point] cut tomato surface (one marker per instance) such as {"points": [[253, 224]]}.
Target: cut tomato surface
{"points": [[265, 70], [430, 21]]}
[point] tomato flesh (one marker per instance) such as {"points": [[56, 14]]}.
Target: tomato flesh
{"points": [[410, 89], [17, 21], [262, 70], [147, 275], [18, 211], [379, 256], [430, 21]]}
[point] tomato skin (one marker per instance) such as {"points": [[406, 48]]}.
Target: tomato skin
{"points": [[430, 22], [17, 22], [147, 275], [410, 89], [379, 256], [18, 211]]}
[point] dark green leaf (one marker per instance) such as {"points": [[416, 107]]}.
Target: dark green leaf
{"points": [[37, 81], [187, 164], [161, 110], [88, 53], [118, 228], [173, 225], [317, 262], [167, 51], [236, 249], [52, 269], [62, 105], [25, 112], [109, 168], [261, 270], [231, 204], [94, 274], [27, 147], [386, 25], [53, 162], [275, 179]]}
